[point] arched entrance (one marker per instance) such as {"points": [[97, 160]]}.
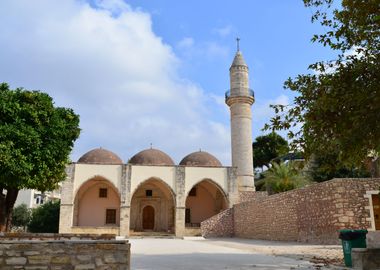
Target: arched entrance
{"points": [[152, 207], [148, 218], [97, 204], [203, 201]]}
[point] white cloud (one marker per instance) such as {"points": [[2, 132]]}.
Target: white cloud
{"points": [[261, 114], [186, 42], [107, 64], [224, 31]]}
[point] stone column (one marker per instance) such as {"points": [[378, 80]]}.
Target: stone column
{"points": [[233, 191], [125, 198], [180, 207], [66, 213]]}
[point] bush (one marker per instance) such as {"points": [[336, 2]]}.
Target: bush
{"points": [[21, 216], [45, 218]]}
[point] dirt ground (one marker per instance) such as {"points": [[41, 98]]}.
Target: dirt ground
{"points": [[319, 255]]}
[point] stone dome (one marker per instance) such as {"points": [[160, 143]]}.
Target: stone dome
{"points": [[151, 157], [100, 156], [200, 159]]}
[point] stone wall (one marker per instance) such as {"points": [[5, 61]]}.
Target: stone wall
{"points": [[54, 236], [220, 225], [311, 214], [64, 255], [245, 196]]}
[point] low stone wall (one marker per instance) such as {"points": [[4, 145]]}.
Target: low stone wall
{"points": [[373, 239], [311, 214], [64, 255], [54, 236], [94, 230], [220, 225], [366, 258]]}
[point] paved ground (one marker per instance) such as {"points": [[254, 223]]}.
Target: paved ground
{"points": [[242, 254]]}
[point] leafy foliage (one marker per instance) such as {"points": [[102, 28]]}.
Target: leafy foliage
{"points": [[338, 104], [267, 147], [21, 216], [282, 177], [36, 139], [45, 218], [326, 167]]}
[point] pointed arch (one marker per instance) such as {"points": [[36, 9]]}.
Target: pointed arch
{"points": [[96, 203], [156, 193], [205, 199]]}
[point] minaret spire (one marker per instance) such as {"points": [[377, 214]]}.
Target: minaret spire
{"points": [[237, 44], [240, 99]]}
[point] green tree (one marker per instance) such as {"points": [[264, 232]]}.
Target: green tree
{"points": [[323, 168], [21, 216], [337, 106], [36, 139], [282, 177], [45, 218], [267, 147]]}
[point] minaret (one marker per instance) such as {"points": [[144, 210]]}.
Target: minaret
{"points": [[240, 99]]}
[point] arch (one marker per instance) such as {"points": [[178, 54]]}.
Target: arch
{"points": [[97, 177], [157, 194], [97, 203], [204, 200], [212, 182], [155, 179]]}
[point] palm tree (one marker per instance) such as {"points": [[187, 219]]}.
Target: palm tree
{"points": [[282, 177]]}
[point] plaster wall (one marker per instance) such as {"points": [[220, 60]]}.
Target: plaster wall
{"points": [[139, 174], [203, 206], [92, 209], [194, 175], [25, 196], [84, 172]]}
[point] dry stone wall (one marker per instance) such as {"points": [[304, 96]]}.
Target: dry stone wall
{"points": [[64, 255], [220, 225], [311, 214]]}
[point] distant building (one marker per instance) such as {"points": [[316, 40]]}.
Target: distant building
{"points": [[34, 198]]}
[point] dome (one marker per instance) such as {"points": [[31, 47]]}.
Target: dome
{"points": [[200, 159], [151, 157], [100, 156]]}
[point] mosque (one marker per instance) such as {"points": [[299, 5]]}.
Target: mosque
{"points": [[151, 193]]}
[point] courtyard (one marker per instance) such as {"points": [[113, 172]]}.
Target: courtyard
{"points": [[230, 253]]}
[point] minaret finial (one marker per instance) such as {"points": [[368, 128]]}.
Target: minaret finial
{"points": [[237, 43], [151, 145]]}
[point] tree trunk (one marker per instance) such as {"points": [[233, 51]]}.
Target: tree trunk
{"points": [[6, 207]]}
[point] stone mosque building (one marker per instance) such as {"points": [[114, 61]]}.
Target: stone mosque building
{"points": [[151, 193]]}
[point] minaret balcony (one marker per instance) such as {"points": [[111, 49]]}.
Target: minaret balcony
{"points": [[249, 93], [247, 97]]}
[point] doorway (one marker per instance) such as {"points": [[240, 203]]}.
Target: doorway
{"points": [[376, 210], [148, 218]]}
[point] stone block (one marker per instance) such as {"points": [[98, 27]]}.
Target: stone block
{"points": [[60, 260], [89, 266], [15, 261]]}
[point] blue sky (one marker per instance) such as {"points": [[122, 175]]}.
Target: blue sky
{"points": [[141, 72]]}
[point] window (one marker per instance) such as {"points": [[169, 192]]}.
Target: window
{"points": [[103, 193], [193, 192], [149, 193], [110, 216]]}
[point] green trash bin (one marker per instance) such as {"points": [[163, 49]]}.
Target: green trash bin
{"points": [[352, 239]]}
